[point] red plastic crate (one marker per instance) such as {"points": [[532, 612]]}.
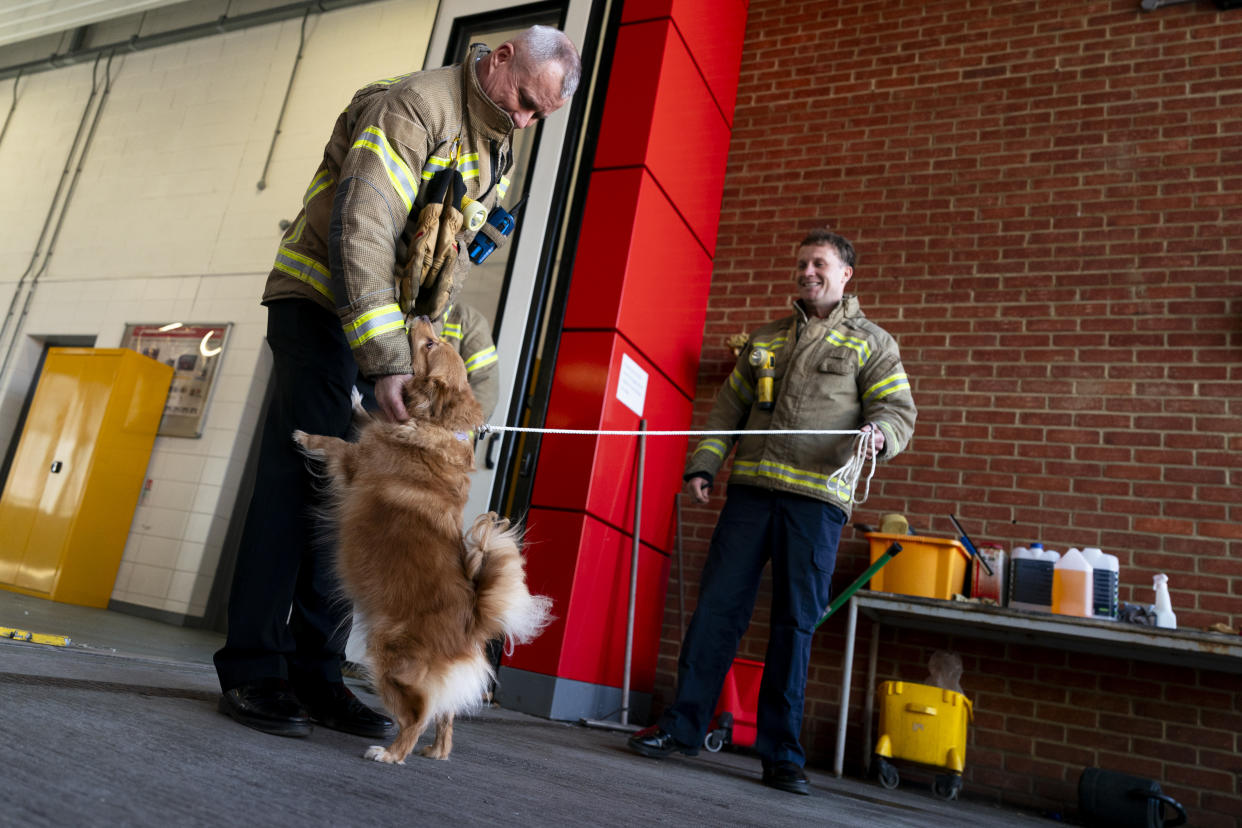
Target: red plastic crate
{"points": [[740, 697]]}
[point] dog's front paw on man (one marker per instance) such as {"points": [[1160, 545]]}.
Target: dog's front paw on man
{"points": [[379, 753]]}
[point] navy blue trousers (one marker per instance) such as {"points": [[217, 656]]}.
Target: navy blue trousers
{"points": [[799, 536], [286, 618]]}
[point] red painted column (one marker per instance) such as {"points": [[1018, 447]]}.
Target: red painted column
{"points": [[629, 350]]}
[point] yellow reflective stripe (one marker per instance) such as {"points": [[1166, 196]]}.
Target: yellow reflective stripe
{"points": [[434, 164], [469, 161], [859, 346], [711, 444], [373, 323], [304, 269], [890, 436], [295, 235], [399, 174], [391, 81], [889, 385], [318, 184], [741, 388], [482, 359], [812, 481], [776, 343], [502, 187], [452, 330], [793, 474]]}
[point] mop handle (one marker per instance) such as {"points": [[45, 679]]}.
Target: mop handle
{"points": [[859, 582]]}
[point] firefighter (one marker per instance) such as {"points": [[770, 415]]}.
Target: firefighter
{"points": [[468, 331], [832, 369], [350, 268]]}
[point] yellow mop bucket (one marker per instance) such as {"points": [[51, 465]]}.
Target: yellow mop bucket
{"points": [[926, 725]]}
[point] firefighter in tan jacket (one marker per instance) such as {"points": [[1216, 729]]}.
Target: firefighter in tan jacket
{"points": [[833, 369], [469, 332], [337, 297]]}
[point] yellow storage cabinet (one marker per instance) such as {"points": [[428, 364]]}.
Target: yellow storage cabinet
{"points": [[78, 472]]}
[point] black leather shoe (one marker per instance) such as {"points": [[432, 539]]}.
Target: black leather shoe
{"points": [[656, 743], [336, 707], [268, 705], [786, 776]]}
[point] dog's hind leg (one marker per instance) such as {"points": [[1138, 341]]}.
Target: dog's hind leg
{"points": [[443, 744], [317, 445], [408, 705]]}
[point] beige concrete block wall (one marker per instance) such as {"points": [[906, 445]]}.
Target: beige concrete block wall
{"points": [[167, 223]]}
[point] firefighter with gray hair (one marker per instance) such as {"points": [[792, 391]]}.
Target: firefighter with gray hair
{"points": [[412, 164]]}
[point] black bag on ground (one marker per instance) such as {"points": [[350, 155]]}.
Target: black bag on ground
{"points": [[1110, 799]]}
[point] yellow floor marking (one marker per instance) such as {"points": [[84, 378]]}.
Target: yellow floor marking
{"points": [[34, 637]]}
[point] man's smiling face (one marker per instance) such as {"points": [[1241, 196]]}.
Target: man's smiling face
{"points": [[821, 278]]}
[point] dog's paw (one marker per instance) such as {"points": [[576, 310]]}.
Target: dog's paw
{"points": [[433, 752], [299, 437], [378, 753]]}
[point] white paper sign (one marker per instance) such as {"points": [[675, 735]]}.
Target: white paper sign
{"points": [[632, 385]]}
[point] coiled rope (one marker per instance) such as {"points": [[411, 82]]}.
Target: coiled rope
{"points": [[849, 474]]}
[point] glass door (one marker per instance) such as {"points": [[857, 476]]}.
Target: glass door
{"points": [[508, 288]]}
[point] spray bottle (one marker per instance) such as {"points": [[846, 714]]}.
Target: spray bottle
{"points": [[1164, 607]]}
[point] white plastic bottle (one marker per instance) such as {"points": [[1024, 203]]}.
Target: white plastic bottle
{"points": [[1072, 585], [1106, 570], [1030, 578], [1164, 607]]}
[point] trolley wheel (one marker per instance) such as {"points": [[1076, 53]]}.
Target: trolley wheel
{"points": [[886, 772], [719, 736], [946, 786]]}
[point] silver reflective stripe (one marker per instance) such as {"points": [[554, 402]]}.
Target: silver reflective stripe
{"points": [[859, 346], [399, 174], [305, 269], [889, 385], [373, 323], [482, 359]]}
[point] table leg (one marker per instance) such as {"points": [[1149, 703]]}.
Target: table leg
{"points": [[869, 707], [847, 670]]}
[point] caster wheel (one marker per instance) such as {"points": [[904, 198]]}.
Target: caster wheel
{"points": [[714, 741], [887, 773], [946, 786]]}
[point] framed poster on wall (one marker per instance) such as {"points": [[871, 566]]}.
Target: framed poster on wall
{"points": [[194, 350]]}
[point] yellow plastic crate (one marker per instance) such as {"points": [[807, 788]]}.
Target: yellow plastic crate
{"points": [[923, 724], [925, 566]]}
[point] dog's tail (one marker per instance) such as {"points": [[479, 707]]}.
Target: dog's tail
{"points": [[504, 606]]}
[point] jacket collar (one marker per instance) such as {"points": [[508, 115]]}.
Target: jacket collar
{"points": [[485, 116], [847, 307]]}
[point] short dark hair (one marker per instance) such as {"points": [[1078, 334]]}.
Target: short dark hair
{"points": [[820, 237]]}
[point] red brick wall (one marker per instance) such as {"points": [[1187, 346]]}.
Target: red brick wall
{"points": [[1047, 205]]}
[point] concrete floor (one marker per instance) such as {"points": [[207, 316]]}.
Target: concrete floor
{"points": [[120, 727]]}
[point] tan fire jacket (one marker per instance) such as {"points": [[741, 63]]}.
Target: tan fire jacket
{"points": [[836, 374], [467, 329], [347, 245]]}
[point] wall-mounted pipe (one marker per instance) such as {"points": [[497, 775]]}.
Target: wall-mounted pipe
{"points": [[9, 115], [280, 119], [52, 207], [60, 219], [224, 23]]}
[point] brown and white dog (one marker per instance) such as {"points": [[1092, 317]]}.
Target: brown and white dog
{"points": [[430, 597]]}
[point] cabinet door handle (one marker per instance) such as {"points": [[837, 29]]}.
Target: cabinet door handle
{"points": [[488, 460], [57, 466]]}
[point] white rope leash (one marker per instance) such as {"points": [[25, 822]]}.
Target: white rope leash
{"points": [[850, 473]]}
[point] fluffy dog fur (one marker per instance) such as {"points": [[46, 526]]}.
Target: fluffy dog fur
{"points": [[431, 599]]}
